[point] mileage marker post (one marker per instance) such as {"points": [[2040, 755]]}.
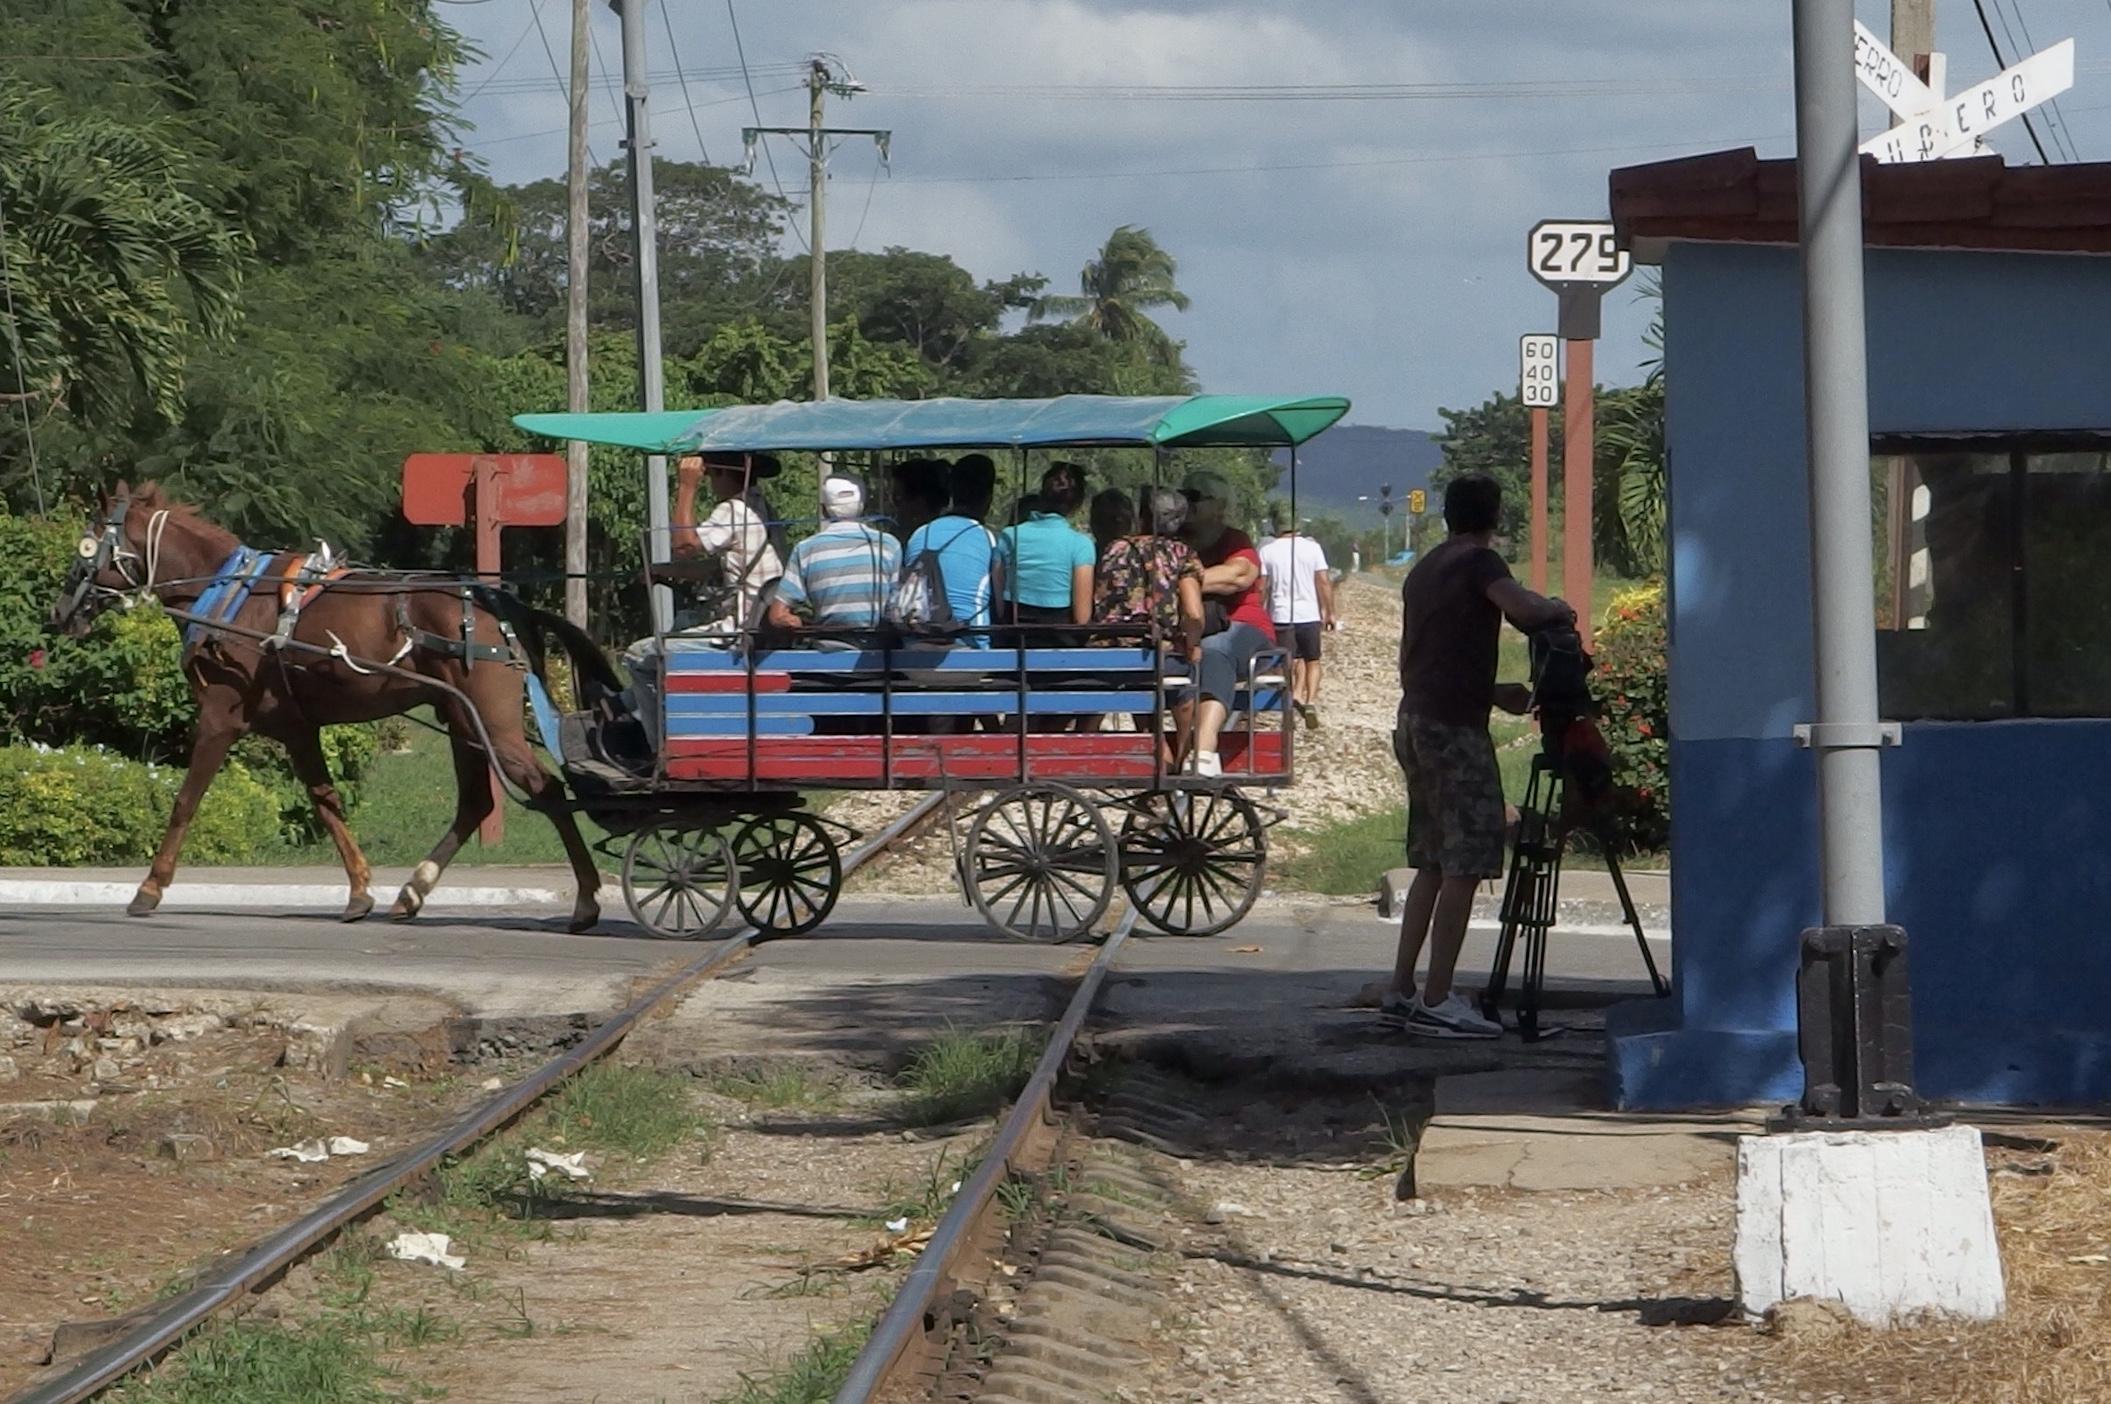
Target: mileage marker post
{"points": [[1578, 259], [1539, 387]]}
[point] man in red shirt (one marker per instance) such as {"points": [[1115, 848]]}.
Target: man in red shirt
{"points": [[1231, 580]]}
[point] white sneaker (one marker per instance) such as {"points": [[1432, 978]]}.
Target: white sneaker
{"points": [[1208, 766], [1454, 1018]]}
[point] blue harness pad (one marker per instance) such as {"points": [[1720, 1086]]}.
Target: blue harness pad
{"points": [[227, 593]]}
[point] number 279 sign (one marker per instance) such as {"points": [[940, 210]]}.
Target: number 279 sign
{"points": [[1562, 251]]}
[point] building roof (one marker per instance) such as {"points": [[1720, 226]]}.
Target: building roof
{"points": [[1976, 203]]}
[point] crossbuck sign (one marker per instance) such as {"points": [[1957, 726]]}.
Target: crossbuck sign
{"points": [[1932, 126]]}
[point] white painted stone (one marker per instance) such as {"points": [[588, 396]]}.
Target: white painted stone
{"points": [[1888, 1223], [53, 892]]}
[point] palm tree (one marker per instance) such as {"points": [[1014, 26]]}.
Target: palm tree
{"points": [[1130, 276], [1633, 436], [111, 265]]}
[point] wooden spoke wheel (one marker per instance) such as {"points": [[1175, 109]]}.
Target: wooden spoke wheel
{"points": [[1193, 861], [678, 879], [791, 873], [1039, 863]]}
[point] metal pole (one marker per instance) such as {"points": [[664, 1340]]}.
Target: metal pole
{"points": [[1835, 376], [816, 204], [575, 388], [646, 247], [1576, 438], [1539, 501]]}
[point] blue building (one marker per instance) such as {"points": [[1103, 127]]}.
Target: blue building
{"points": [[1989, 314]]}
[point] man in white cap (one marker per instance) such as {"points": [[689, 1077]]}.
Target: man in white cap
{"points": [[840, 577]]}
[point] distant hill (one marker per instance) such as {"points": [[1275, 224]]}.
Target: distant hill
{"points": [[1351, 460]]}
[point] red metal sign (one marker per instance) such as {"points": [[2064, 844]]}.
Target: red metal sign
{"points": [[439, 489]]}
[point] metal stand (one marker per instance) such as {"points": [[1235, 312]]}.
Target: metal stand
{"points": [[1854, 1032], [1531, 894]]}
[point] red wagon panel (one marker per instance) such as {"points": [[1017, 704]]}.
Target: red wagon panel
{"points": [[1113, 757]]}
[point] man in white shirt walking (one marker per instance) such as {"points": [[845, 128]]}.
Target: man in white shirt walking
{"points": [[1301, 602]]}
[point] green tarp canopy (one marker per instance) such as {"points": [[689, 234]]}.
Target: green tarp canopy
{"points": [[1140, 421]]}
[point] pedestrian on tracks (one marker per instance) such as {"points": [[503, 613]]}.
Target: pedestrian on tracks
{"points": [[1301, 602], [1451, 618]]}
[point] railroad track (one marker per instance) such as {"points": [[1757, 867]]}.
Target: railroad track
{"points": [[900, 1349]]}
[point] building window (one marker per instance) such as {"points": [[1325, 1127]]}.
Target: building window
{"points": [[1991, 601]]}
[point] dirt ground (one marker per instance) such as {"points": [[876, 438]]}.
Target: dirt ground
{"points": [[134, 1140], [669, 1282]]}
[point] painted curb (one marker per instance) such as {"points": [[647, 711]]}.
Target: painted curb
{"points": [[210, 896]]}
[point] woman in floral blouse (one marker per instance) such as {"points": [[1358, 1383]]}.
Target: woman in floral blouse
{"points": [[1153, 577]]}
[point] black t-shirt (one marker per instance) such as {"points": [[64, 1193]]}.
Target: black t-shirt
{"points": [[1449, 629]]}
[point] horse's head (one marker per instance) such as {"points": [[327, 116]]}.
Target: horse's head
{"points": [[107, 562]]}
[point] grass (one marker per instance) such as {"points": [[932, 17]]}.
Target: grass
{"points": [[621, 1112], [812, 1376], [407, 801], [925, 1201], [775, 1085], [961, 1074], [269, 1363]]}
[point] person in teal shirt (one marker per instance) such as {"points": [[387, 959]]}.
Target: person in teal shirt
{"points": [[1047, 562]]}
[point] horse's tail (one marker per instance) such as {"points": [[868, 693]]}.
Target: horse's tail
{"points": [[591, 670]]}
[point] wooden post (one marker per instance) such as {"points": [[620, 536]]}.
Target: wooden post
{"points": [[1539, 501], [485, 523], [1576, 440]]}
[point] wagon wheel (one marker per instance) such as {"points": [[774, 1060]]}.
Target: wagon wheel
{"points": [[1039, 863], [790, 873], [1193, 861], [678, 879]]}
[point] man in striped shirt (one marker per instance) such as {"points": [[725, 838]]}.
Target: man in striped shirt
{"points": [[841, 576]]}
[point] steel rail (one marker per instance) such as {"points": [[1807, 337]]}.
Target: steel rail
{"points": [[228, 1281], [903, 1321]]}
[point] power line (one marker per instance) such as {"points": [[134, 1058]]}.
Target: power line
{"points": [[1334, 92], [556, 73], [683, 78], [534, 22], [740, 52], [516, 86], [870, 186], [2055, 119], [2000, 63]]}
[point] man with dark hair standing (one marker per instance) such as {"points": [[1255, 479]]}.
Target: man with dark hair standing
{"points": [[1452, 611]]}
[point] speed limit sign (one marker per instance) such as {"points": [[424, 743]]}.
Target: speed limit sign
{"points": [[1539, 371], [1560, 251]]}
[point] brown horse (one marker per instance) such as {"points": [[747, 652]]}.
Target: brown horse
{"points": [[356, 648]]}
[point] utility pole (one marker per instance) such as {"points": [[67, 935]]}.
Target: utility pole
{"points": [[646, 249], [817, 207], [1913, 32], [825, 74], [575, 388]]}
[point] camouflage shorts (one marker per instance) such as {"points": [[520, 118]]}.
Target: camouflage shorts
{"points": [[1455, 816]]}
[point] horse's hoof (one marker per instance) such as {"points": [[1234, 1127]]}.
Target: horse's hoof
{"points": [[357, 908], [407, 905], [142, 905], [584, 918]]}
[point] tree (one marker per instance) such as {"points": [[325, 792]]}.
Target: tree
{"points": [[1495, 438], [1632, 458], [1131, 276], [114, 266], [924, 301], [717, 235]]}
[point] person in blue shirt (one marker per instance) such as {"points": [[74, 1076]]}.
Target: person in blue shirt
{"points": [[966, 549], [1047, 562]]}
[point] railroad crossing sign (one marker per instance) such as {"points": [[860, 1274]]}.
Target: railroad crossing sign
{"points": [[1563, 252], [1539, 370], [1932, 126]]}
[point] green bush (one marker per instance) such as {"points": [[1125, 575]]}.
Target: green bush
{"points": [[121, 687], [350, 751], [1633, 699], [75, 805]]}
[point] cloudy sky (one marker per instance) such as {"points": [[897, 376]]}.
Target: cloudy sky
{"points": [[1370, 246]]}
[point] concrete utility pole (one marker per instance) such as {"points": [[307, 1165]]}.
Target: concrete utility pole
{"points": [[646, 249], [575, 388], [817, 207]]}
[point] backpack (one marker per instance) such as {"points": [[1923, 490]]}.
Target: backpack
{"points": [[920, 603]]}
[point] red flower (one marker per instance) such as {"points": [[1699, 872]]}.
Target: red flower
{"points": [[1643, 727], [36, 658]]}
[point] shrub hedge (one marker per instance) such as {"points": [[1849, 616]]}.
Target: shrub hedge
{"points": [[1633, 700], [77, 805]]}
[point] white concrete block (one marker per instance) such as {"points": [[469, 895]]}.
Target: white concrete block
{"points": [[1888, 1223]]}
